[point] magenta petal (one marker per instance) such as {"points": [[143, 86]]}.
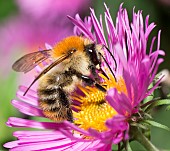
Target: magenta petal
{"points": [[120, 102], [31, 97], [118, 122], [34, 139], [149, 29], [36, 133], [74, 127], [22, 89], [27, 108], [98, 29], [11, 144], [45, 146], [80, 24], [38, 69], [19, 122], [81, 146]]}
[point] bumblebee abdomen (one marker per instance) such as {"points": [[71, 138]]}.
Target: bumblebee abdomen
{"points": [[55, 104]]}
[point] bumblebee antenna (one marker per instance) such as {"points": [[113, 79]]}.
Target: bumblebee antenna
{"points": [[101, 70], [108, 66], [112, 57]]}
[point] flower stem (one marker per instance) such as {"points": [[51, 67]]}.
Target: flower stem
{"points": [[138, 136]]}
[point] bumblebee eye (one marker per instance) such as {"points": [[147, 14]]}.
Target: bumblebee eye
{"points": [[91, 52]]}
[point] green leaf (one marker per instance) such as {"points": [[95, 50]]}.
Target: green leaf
{"points": [[146, 104], [168, 95], [148, 98], [139, 126], [151, 96], [147, 116], [157, 103], [168, 107], [156, 124], [128, 147]]}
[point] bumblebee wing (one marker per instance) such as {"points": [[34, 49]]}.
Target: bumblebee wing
{"points": [[62, 58], [29, 61]]}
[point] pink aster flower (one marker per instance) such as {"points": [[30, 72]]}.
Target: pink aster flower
{"points": [[128, 42], [100, 119]]}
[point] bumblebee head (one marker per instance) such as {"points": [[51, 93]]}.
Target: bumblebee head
{"points": [[94, 51]]}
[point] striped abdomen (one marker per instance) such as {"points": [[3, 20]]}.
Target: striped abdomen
{"points": [[53, 95]]}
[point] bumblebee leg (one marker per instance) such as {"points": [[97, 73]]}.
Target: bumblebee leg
{"points": [[86, 79], [69, 115], [94, 73], [89, 81]]}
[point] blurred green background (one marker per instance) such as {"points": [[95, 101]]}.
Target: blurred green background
{"points": [[10, 13]]}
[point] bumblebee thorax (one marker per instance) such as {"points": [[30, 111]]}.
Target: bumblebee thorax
{"points": [[67, 44]]}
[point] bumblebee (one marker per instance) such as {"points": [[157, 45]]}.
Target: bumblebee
{"points": [[75, 59]]}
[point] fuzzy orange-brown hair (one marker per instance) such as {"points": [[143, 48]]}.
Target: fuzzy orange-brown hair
{"points": [[72, 42]]}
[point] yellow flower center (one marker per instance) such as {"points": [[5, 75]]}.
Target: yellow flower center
{"points": [[94, 110]]}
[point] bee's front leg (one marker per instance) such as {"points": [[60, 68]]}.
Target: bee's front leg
{"points": [[89, 81]]}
